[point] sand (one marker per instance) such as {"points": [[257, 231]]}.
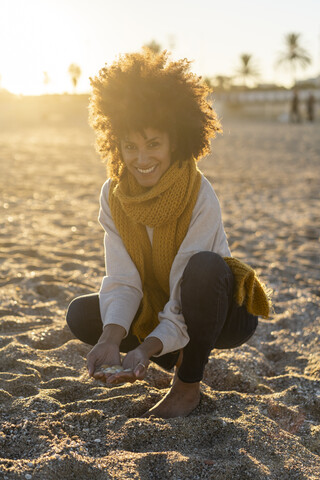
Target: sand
{"points": [[259, 413]]}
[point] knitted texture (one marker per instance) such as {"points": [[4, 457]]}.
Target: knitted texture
{"points": [[249, 291], [167, 208]]}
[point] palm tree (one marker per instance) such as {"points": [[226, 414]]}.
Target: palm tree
{"points": [[154, 46], [222, 82], [75, 73], [46, 80], [247, 68], [294, 55]]}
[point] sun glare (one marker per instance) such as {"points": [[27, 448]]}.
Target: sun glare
{"points": [[40, 38]]}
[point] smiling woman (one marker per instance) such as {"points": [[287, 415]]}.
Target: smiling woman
{"points": [[168, 293]]}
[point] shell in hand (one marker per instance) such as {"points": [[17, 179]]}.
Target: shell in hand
{"points": [[112, 369]]}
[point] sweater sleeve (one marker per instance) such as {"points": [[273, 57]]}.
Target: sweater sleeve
{"points": [[205, 233], [121, 291]]}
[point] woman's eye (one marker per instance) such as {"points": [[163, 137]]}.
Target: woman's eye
{"points": [[153, 144], [129, 146]]}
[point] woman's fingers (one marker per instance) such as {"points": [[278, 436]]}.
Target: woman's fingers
{"points": [[128, 376], [115, 378], [103, 377], [90, 365], [136, 370], [102, 354], [122, 377], [140, 371]]}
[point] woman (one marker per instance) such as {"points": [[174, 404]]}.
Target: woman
{"points": [[168, 293]]}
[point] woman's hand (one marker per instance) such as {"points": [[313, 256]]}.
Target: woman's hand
{"points": [[103, 353], [106, 351], [136, 362]]}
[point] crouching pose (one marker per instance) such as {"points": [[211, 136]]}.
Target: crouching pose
{"points": [[172, 292]]}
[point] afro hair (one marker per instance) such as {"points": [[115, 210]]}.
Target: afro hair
{"points": [[145, 89]]}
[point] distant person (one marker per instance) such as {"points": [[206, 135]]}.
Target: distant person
{"points": [[310, 107], [172, 292], [295, 115]]}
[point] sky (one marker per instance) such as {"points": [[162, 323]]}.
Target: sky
{"points": [[38, 36]]}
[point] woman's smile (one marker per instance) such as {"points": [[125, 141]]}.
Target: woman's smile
{"points": [[147, 170]]}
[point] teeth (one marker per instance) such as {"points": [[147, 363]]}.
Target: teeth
{"points": [[147, 170]]}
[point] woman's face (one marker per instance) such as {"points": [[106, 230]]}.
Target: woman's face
{"points": [[147, 155]]}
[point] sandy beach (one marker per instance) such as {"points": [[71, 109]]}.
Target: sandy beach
{"points": [[260, 407]]}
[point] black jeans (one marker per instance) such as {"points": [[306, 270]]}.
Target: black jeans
{"points": [[212, 317]]}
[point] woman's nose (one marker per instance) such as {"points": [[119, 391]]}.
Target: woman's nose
{"points": [[142, 157]]}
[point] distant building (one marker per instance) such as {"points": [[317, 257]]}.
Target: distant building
{"points": [[309, 82], [265, 101]]}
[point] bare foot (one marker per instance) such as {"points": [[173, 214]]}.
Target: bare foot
{"points": [[180, 401]]}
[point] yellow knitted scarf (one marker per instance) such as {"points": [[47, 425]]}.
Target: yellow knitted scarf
{"points": [[249, 291], [167, 208]]}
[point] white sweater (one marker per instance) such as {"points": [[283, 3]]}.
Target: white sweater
{"points": [[121, 291]]}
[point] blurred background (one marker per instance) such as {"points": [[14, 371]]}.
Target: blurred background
{"points": [[252, 54]]}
